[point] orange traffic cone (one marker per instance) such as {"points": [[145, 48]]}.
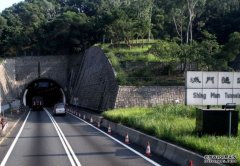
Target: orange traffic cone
{"points": [[127, 139], [91, 120], [109, 129], [98, 124], [190, 163], [148, 150]]}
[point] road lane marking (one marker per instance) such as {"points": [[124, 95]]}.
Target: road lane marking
{"points": [[4, 161], [129, 148], [71, 155], [62, 141]]}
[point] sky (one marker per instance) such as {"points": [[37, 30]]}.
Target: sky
{"points": [[7, 3]]}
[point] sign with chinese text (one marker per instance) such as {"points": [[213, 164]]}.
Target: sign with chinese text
{"points": [[212, 88]]}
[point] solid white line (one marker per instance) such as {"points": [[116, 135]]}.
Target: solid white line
{"points": [[64, 141], [14, 142], [131, 149]]}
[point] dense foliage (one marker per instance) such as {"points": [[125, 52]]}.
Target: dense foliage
{"points": [[203, 31]]}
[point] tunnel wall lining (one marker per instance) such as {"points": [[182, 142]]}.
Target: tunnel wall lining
{"points": [[89, 78], [17, 73]]}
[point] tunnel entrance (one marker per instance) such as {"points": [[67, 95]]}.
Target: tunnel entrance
{"points": [[49, 90]]}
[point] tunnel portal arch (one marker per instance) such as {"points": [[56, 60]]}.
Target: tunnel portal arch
{"points": [[48, 89]]}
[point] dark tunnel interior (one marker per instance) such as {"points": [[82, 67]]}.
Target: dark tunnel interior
{"points": [[49, 90]]}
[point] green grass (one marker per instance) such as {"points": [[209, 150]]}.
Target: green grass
{"points": [[138, 66], [175, 123], [136, 53]]}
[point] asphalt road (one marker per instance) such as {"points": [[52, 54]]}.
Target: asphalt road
{"points": [[44, 140]]}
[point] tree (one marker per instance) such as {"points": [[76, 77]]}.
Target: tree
{"points": [[229, 52], [208, 50]]}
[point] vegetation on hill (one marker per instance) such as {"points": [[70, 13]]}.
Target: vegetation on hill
{"points": [[176, 123], [141, 65], [202, 33], [70, 26]]}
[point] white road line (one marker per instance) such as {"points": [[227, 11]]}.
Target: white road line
{"points": [[131, 149], [14, 142], [71, 155], [61, 139]]}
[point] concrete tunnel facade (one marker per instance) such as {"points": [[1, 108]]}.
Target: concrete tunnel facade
{"points": [[84, 80], [48, 89]]}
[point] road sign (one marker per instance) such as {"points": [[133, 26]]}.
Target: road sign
{"points": [[212, 88]]}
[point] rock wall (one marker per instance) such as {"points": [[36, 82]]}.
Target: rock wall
{"points": [[17, 73], [130, 96], [29, 68], [88, 81], [7, 81], [94, 85]]}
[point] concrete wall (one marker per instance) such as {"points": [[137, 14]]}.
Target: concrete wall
{"points": [[88, 80], [17, 73], [7, 81], [94, 86], [130, 96], [28, 68]]}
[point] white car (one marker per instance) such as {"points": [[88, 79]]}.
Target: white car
{"points": [[59, 109]]}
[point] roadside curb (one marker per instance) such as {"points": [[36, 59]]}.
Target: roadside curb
{"points": [[174, 153]]}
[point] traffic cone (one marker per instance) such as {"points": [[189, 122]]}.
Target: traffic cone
{"points": [[84, 117], [79, 115], [109, 129], [190, 163], [98, 124], [148, 150], [91, 120], [127, 139]]}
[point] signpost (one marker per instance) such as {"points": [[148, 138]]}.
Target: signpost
{"points": [[214, 88]]}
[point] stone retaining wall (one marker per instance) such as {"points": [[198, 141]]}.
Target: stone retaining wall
{"points": [[130, 96]]}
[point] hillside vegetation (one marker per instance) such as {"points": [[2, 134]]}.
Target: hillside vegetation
{"points": [[168, 37], [140, 65]]}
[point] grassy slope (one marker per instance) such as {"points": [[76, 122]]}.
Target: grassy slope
{"points": [[137, 66], [175, 123]]}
